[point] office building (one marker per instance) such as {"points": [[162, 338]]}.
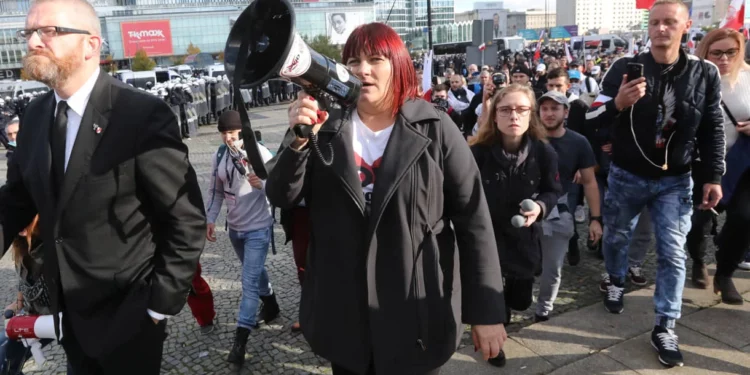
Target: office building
{"points": [[613, 15], [405, 15], [165, 28]]}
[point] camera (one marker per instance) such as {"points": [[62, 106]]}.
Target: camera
{"points": [[441, 104], [499, 79]]}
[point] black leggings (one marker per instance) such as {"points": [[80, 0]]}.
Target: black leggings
{"points": [[703, 221], [518, 294], [734, 238]]}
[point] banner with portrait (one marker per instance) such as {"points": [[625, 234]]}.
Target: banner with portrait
{"points": [[340, 25]]}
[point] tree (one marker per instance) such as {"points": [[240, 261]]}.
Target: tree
{"points": [[177, 60], [193, 49], [142, 62], [322, 45]]}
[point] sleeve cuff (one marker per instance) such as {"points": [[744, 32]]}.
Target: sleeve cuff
{"points": [[156, 315], [715, 179], [612, 108]]}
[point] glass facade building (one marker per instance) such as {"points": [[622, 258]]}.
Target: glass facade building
{"points": [[204, 23], [405, 15]]}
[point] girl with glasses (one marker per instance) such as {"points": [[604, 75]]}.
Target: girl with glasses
{"points": [[516, 163]]}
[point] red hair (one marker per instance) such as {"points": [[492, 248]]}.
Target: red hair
{"points": [[380, 39]]}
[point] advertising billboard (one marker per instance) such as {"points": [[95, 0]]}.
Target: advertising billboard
{"points": [[499, 19], [702, 13], [340, 25], [563, 32], [154, 37]]}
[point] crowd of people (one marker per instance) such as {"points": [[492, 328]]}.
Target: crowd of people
{"points": [[487, 170]]}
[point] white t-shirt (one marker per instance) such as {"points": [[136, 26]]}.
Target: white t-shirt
{"points": [[369, 147]]}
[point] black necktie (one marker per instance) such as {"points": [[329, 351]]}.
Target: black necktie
{"points": [[57, 141]]}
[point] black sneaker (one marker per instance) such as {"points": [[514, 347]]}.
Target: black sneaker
{"points": [[665, 342], [604, 284], [636, 276], [540, 318], [613, 300]]}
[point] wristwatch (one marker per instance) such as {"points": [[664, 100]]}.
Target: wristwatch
{"points": [[596, 218]]}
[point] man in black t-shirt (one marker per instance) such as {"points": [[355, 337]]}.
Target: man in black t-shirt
{"points": [[574, 155]]}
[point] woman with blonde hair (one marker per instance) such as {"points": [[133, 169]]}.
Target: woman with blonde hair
{"points": [[726, 49], [516, 163]]}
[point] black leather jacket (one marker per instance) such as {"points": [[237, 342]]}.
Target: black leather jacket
{"points": [[698, 119]]}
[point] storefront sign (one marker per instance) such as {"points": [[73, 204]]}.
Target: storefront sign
{"points": [[154, 37], [10, 73]]}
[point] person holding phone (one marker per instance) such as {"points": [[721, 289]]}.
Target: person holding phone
{"points": [[657, 121], [725, 48]]}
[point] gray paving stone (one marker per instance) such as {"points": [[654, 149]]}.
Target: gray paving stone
{"points": [[520, 360], [702, 355], [274, 349], [595, 364], [725, 323]]}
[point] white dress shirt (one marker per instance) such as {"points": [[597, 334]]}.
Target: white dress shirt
{"points": [[76, 107]]}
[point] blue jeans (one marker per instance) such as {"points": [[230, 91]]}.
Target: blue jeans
{"points": [[669, 200], [251, 248], [642, 233]]}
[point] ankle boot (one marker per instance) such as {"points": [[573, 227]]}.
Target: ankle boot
{"points": [[725, 286], [270, 309], [237, 354], [700, 275]]}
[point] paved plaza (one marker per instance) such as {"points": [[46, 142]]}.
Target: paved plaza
{"points": [[581, 338]]}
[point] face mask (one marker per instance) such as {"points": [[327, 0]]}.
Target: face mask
{"points": [[12, 143]]}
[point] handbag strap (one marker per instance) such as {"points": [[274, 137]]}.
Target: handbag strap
{"points": [[729, 113]]}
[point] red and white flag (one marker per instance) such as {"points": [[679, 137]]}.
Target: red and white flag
{"points": [[735, 17], [538, 52], [482, 47], [644, 4]]}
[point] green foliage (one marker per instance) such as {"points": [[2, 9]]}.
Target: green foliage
{"points": [[142, 62], [193, 49], [322, 45]]}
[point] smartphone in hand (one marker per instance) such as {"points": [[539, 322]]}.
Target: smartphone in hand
{"points": [[635, 71]]}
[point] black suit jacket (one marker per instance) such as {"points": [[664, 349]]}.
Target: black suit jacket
{"points": [[128, 228]]}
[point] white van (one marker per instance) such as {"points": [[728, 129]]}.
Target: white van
{"points": [[14, 89], [184, 70], [137, 79], [606, 42], [216, 70], [513, 43], [165, 75]]}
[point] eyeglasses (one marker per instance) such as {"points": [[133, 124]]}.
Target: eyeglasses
{"points": [[506, 111], [717, 54], [47, 32]]}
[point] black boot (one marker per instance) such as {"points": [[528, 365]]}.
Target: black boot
{"points": [[498, 361], [725, 286], [237, 354], [700, 275], [270, 309]]}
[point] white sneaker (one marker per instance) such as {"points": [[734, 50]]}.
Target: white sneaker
{"points": [[580, 215], [744, 265]]}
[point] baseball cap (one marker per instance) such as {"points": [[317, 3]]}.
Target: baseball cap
{"points": [[541, 68], [596, 70], [556, 96], [574, 74], [521, 69]]}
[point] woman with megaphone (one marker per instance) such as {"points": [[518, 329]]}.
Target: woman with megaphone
{"points": [[399, 205]]}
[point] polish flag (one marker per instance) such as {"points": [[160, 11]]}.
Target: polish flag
{"points": [[644, 4], [482, 47], [567, 53], [735, 15], [538, 52]]}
